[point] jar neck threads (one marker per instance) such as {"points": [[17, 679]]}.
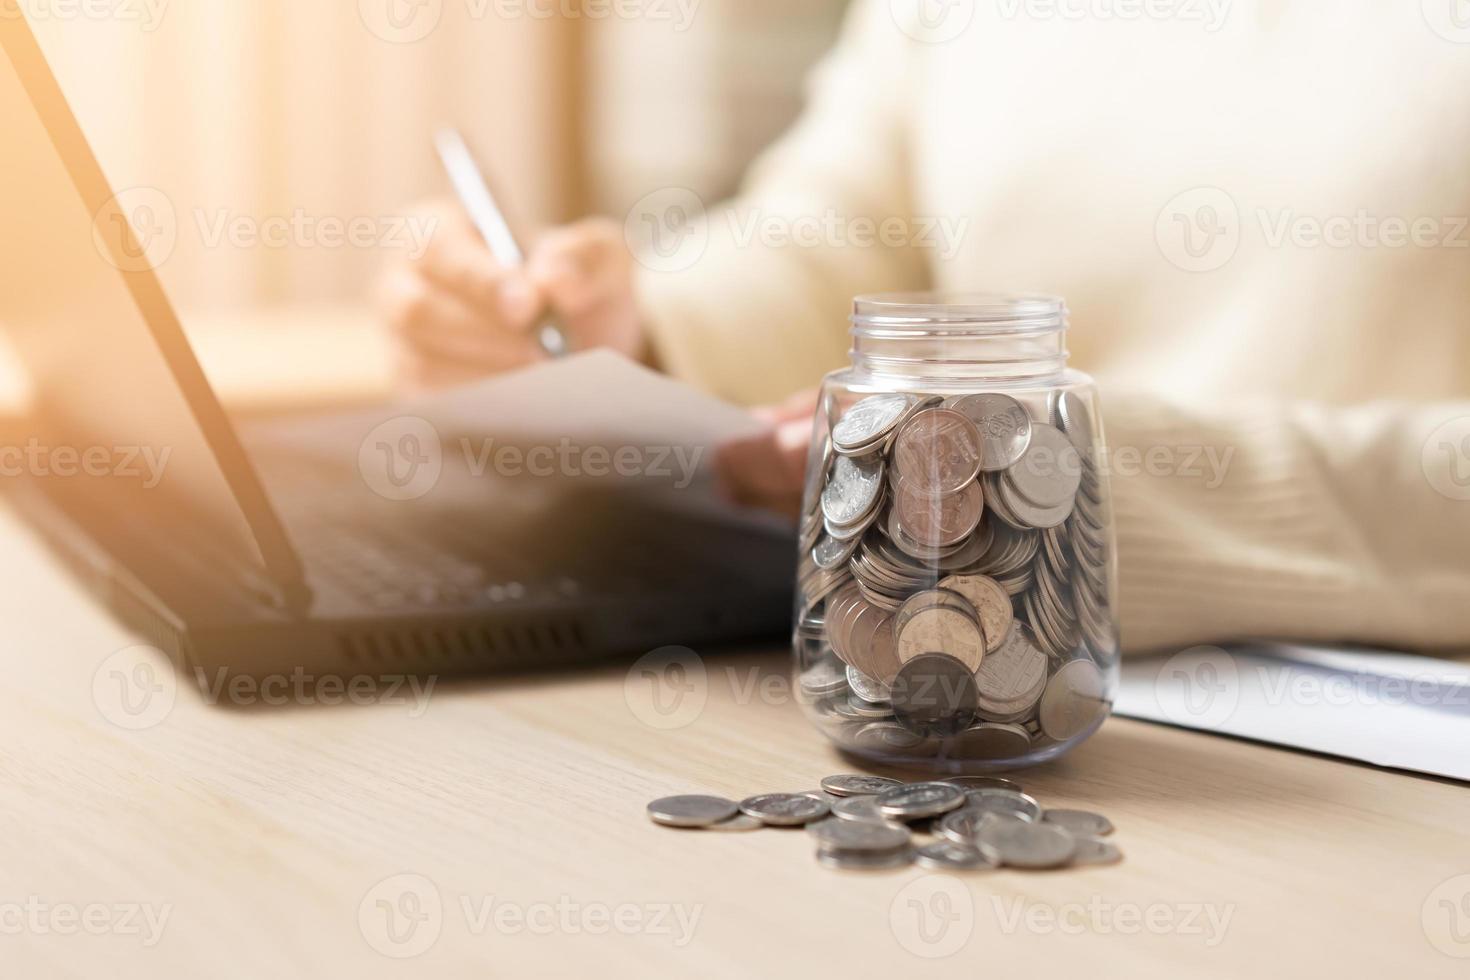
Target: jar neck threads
{"points": [[942, 339]]}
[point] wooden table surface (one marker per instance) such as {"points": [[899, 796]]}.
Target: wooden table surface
{"points": [[496, 828]]}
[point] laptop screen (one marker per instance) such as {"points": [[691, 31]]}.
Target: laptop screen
{"points": [[122, 407]]}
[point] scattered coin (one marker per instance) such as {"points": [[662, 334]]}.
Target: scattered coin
{"points": [[858, 784], [944, 855], [1021, 844], [739, 823], [968, 783], [1004, 802], [691, 811], [1090, 850], [859, 835], [1079, 822], [977, 824], [864, 861], [858, 808], [917, 801], [784, 809]]}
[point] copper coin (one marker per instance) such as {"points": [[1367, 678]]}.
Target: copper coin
{"points": [[939, 522], [937, 451]]}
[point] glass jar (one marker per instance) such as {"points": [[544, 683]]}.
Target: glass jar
{"points": [[956, 568]]}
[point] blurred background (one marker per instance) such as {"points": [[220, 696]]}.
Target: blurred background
{"points": [[244, 112]]}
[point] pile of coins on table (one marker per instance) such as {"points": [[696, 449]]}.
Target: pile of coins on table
{"points": [[954, 585], [870, 823]]}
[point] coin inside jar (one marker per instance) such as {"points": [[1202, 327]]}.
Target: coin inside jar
{"points": [[1004, 426], [990, 600], [852, 490], [940, 622], [937, 451], [1051, 471], [934, 695], [1012, 677], [939, 522], [1073, 701], [868, 422]]}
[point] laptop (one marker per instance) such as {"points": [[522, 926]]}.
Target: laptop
{"points": [[243, 549]]}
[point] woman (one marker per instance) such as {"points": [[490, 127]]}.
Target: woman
{"points": [[1255, 211]]}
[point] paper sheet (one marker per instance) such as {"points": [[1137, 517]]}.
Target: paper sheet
{"points": [[1393, 710]]}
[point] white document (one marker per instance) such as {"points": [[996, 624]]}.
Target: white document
{"points": [[1393, 710]]}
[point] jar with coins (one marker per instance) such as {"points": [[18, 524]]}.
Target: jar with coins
{"points": [[956, 572]]}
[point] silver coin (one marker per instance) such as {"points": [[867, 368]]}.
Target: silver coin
{"points": [[1027, 514], [870, 689], [990, 601], [1004, 425], [1050, 472], [916, 801], [691, 811], [858, 784], [829, 552], [1004, 802], [968, 783], [1081, 823], [1012, 678], [1029, 845], [1090, 850], [858, 808], [852, 491], [859, 835], [1073, 417], [739, 823], [993, 741], [934, 695], [784, 809], [869, 421], [1073, 701], [864, 860], [945, 855], [962, 826]]}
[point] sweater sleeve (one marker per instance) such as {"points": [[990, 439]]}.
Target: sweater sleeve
{"points": [[1291, 521], [762, 309]]}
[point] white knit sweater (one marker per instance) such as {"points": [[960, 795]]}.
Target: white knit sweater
{"points": [[1261, 230]]}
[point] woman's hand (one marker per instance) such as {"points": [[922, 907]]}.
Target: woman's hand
{"points": [[458, 314], [768, 471]]}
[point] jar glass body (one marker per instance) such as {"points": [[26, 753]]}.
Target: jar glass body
{"points": [[956, 564]]}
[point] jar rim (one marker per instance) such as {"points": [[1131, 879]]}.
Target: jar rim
{"points": [[998, 310]]}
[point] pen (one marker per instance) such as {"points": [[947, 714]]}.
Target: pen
{"points": [[475, 197]]}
